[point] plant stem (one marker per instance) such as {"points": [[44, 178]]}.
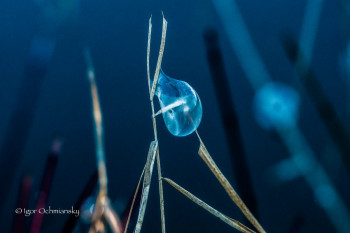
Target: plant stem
{"points": [[231, 222], [204, 154]]}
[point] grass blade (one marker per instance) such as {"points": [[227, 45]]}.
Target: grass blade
{"points": [[231, 222], [204, 154], [160, 58], [146, 184], [133, 202]]}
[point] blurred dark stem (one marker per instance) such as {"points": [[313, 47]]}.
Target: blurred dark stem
{"points": [[297, 224], [87, 191], [22, 202], [24, 109], [318, 97], [46, 184], [229, 119]]}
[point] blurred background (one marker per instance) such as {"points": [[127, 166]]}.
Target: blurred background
{"points": [[44, 90]]}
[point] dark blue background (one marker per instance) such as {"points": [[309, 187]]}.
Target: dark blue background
{"points": [[116, 32]]}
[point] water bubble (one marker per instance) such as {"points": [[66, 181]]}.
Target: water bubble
{"points": [[180, 105], [276, 105]]}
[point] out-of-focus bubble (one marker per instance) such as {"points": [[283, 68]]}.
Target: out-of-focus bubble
{"points": [[87, 210], [276, 105]]}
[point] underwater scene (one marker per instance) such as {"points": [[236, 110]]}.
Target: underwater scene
{"points": [[174, 116]]}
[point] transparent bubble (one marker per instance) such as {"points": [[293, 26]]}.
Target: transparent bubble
{"points": [[276, 105], [180, 105]]}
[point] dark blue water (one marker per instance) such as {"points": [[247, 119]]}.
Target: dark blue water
{"points": [[116, 32]]}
